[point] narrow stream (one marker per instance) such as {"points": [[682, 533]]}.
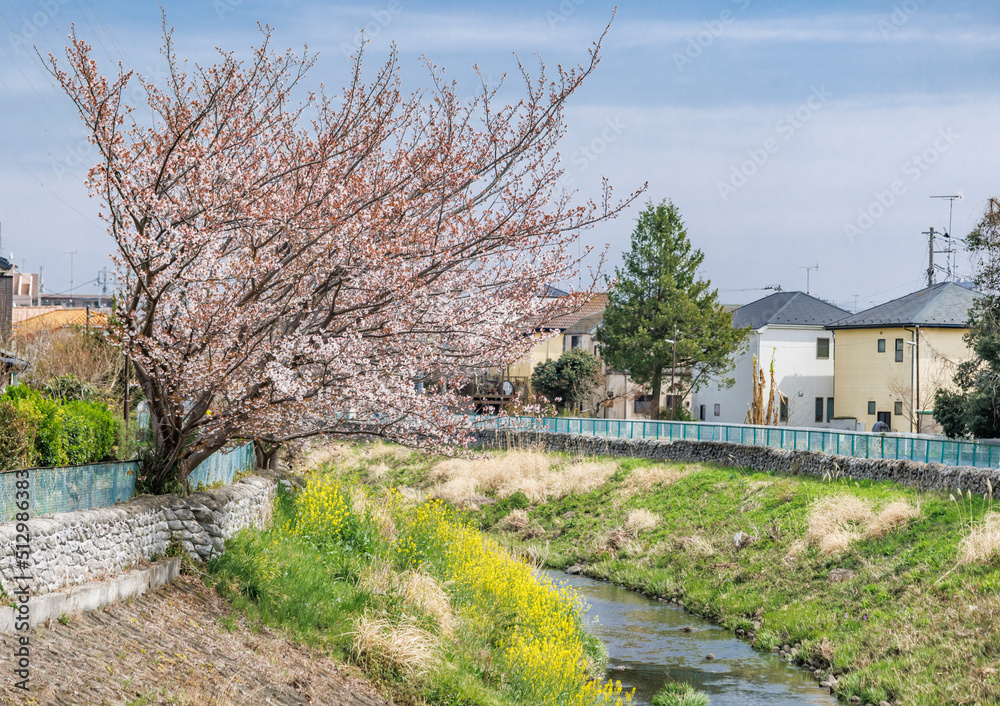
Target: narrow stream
{"points": [[648, 647]]}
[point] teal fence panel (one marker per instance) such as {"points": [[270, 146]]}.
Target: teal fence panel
{"points": [[221, 467], [69, 488], [844, 443], [94, 485]]}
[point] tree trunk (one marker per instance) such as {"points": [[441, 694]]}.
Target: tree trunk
{"points": [[654, 404], [267, 454]]}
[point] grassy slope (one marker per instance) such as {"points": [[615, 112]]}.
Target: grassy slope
{"points": [[317, 595], [909, 627]]}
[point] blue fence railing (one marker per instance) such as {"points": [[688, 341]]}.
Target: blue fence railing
{"points": [[833, 441], [72, 488]]}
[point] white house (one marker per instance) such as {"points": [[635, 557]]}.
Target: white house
{"points": [[788, 328]]}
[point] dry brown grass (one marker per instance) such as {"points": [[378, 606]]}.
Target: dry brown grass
{"points": [[613, 541], [68, 352], [378, 471], [516, 521], [425, 593], [893, 516], [380, 451], [323, 453], [408, 648], [837, 522], [410, 494], [642, 481], [641, 520], [379, 578], [466, 482], [381, 513], [579, 478], [983, 541], [696, 545], [519, 522]]}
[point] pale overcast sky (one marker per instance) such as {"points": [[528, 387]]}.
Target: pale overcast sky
{"points": [[789, 134]]}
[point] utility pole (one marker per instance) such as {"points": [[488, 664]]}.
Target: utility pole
{"points": [[673, 369], [930, 256], [71, 254]]}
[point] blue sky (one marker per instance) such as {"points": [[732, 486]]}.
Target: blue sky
{"points": [[789, 134]]}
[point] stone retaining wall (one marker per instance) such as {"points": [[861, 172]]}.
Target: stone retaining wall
{"points": [[72, 548], [925, 476]]}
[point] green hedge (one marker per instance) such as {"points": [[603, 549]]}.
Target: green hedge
{"points": [[45, 433]]}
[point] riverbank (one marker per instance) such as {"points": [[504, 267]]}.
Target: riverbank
{"points": [[862, 580], [428, 607]]}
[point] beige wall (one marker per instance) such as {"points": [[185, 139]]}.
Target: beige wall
{"points": [[863, 375], [542, 351]]}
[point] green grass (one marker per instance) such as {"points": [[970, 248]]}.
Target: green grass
{"points": [[315, 584], [678, 694], [909, 626]]}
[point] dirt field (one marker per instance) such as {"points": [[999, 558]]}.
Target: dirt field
{"points": [[169, 647]]}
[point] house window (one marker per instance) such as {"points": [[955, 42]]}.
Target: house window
{"points": [[829, 408], [881, 345], [819, 409], [897, 409], [871, 408], [823, 348], [642, 404], [783, 409], [718, 409], [576, 342], [899, 350], [597, 351], [701, 413]]}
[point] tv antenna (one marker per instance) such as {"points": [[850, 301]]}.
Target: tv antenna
{"points": [[72, 254], [808, 269], [950, 252]]}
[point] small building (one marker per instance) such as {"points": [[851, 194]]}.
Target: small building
{"points": [[788, 329], [893, 358]]}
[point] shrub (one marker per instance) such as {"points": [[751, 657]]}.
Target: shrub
{"points": [[17, 436], [74, 433], [91, 432]]}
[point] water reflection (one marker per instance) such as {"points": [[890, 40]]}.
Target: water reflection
{"points": [[648, 647]]}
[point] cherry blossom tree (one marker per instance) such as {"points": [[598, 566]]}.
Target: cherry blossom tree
{"points": [[296, 264]]}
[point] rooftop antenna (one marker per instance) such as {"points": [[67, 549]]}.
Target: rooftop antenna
{"points": [[71, 254], [807, 269], [950, 252]]}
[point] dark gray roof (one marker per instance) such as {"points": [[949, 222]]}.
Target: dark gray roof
{"points": [[789, 309], [585, 324], [945, 305]]}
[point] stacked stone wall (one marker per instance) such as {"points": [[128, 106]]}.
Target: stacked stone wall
{"points": [[72, 548], [925, 476]]}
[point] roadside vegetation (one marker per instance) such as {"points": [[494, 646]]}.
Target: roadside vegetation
{"points": [[886, 593], [430, 608]]}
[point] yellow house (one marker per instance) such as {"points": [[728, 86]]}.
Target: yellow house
{"points": [[892, 358]]}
